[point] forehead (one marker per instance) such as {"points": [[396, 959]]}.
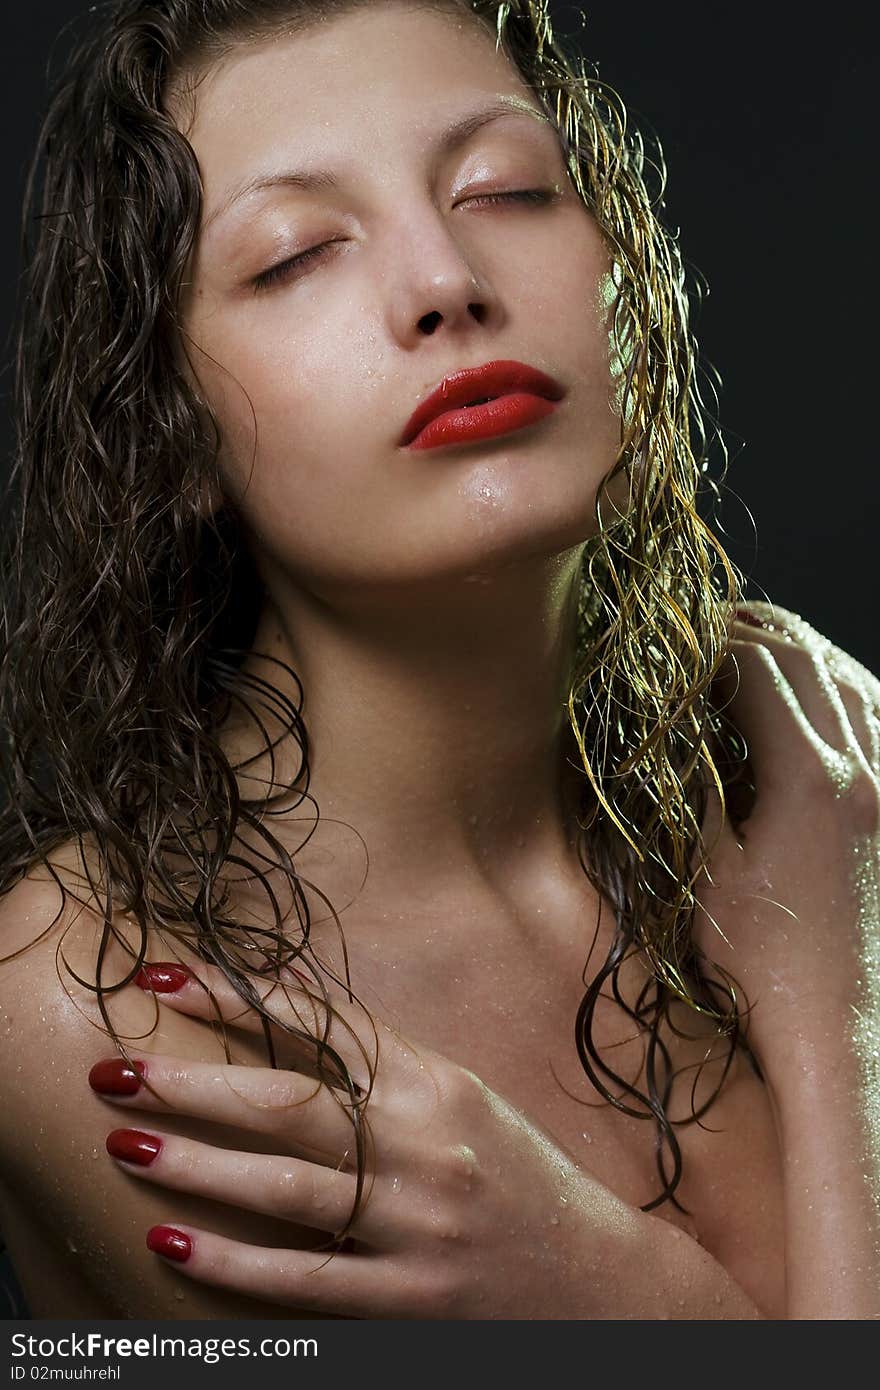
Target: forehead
{"points": [[344, 79]]}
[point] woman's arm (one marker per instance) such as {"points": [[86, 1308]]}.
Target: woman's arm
{"points": [[52, 1139], [473, 1212], [796, 895], [828, 1118], [53, 1155]]}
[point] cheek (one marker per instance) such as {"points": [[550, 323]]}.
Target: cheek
{"points": [[265, 406], [573, 293], [294, 457]]}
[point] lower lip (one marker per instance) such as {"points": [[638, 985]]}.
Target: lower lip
{"points": [[474, 422]]}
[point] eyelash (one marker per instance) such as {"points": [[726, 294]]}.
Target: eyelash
{"points": [[284, 269]]}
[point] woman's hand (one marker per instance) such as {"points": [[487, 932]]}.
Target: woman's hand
{"points": [[794, 890], [473, 1212]]}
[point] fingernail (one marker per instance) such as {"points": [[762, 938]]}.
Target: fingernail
{"points": [[167, 1241], [746, 617], [134, 1146], [163, 976], [115, 1077]]}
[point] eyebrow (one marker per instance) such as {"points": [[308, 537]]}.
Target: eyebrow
{"points": [[455, 135]]}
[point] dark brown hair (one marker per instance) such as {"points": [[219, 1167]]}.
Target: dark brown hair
{"points": [[127, 611]]}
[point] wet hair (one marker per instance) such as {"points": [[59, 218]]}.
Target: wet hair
{"points": [[128, 607]]}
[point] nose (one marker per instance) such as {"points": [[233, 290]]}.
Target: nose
{"points": [[434, 282]]}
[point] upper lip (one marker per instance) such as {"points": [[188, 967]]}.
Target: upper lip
{"points": [[474, 383]]}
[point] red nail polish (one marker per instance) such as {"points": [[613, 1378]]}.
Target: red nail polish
{"points": [[745, 617], [134, 1146], [163, 976], [115, 1077], [173, 1244]]}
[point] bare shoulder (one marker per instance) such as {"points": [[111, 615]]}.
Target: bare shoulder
{"points": [[53, 1161]]}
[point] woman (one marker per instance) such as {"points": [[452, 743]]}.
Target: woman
{"points": [[386, 755]]}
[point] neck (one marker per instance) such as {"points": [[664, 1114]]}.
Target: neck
{"points": [[438, 732]]}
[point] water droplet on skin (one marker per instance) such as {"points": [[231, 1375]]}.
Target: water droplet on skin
{"points": [[395, 1184], [588, 1138], [554, 1220]]}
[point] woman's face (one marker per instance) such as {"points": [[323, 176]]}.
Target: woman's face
{"points": [[421, 280]]}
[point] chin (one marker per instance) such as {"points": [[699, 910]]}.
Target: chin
{"points": [[541, 512]]}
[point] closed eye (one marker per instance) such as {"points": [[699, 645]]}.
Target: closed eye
{"points": [[285, 269], [526, 195]]}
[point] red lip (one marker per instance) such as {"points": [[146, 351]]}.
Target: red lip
{"points": [[495, 379]]}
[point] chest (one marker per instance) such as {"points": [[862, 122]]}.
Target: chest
{"points": [[515, 1028]]}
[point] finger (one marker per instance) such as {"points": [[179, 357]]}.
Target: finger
{"points": [[872, 720], [802, 662], [274, 1184], [860, 692], [864, 730], [204, 991], [834, 692], [349, 1285], [262, 1100], [760, 701], [849, 687]]}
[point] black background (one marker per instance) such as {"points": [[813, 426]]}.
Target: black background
{"points": [[764, 117]]}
